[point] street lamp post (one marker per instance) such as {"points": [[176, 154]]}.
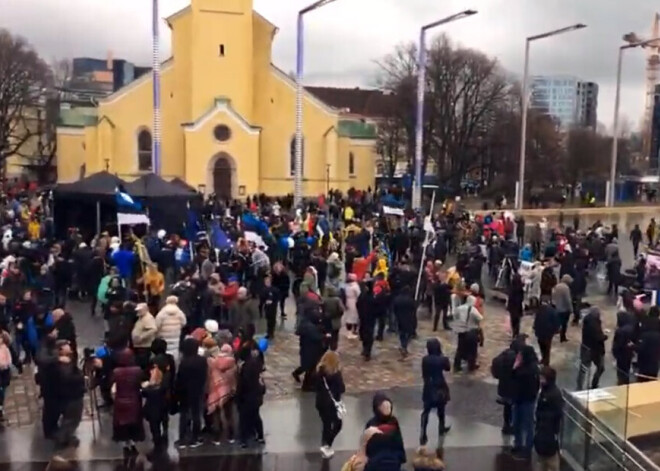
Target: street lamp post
{"points": [[155, 137], [633, 42], [300, 52], [421, 90], [525, 102]]}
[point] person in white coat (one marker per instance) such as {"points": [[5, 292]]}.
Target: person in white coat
{"points": [[351, 318], [170, 320]]}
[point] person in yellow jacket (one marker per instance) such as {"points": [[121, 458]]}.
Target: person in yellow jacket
{"points": [[34, 229], [381, 267], [154, 285], [349, 214]]}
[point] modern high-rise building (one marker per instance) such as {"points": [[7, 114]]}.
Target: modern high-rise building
{"points": [[566, 98], [654, 157], [587, 104]]}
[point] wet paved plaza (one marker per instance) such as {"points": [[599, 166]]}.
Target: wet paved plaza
{"points": [[291, 422]]}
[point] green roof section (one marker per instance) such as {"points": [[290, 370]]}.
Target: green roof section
{"points": [[77, 117], [356, 129]]}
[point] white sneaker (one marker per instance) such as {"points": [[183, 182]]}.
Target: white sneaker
{"points": [[327, 452]]}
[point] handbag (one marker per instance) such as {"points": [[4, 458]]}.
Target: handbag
{"points": [[340, 407]]}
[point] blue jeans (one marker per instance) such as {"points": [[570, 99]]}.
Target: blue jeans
{"points": [[523, 425]]}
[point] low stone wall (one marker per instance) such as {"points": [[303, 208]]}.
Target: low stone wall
{"points": [[625, 216]]}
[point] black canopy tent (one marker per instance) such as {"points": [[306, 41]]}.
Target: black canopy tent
{"points": [[167, 202], [76, 202], [151, 186], [181, 183]]}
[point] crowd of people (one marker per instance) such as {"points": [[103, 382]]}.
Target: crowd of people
{"points": [[181, 317]]}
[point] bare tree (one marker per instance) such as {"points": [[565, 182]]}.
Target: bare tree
{"points": [[23, 79]]}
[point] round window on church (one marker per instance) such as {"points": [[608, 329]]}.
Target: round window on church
{"points": [[222, 132]]}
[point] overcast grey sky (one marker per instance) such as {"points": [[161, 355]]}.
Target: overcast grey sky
{"points": [[345, 38]]}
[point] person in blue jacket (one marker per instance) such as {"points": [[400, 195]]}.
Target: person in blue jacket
{"points": [[124, 259], [526, 254]]}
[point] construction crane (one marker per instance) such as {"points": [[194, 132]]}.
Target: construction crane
{"points": [[652, 81]]}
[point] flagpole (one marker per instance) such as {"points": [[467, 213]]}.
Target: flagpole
{"points": [[426, 243], [155, 148]]}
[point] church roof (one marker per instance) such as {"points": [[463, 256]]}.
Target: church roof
{"points": [[370, 103]]}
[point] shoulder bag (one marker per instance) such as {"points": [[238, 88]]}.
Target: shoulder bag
{"points": [[340, 407]]}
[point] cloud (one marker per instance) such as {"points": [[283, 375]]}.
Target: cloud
{"points": [[345, 38]]}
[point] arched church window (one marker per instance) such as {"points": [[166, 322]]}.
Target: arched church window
{"points": [[292, 157], [144, 151], [351, 163]]}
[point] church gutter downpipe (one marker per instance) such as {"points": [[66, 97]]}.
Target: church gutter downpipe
{"points": [[155, 145]]}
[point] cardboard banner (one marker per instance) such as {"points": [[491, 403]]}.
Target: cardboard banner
{"points": [[127, 219]]}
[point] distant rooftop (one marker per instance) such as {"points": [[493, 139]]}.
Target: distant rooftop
{"points": [[370, 103]]}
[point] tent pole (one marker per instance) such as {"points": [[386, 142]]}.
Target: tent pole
{"points": [[98, 217]]}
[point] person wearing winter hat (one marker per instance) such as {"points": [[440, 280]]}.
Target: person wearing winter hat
{"points": [[143, 334]]}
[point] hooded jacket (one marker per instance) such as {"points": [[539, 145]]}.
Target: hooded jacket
{"points": [[434, 365], [549, 410], [526, 376], [169, 322], [624, 335], [383, 454], [593, 336], [389, 425], [144, 331]]}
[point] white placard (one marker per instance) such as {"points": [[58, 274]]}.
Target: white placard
{"points": [[393, 211], [124, 219]]}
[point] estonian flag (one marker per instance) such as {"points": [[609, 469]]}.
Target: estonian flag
{"points": [[126, 201]]}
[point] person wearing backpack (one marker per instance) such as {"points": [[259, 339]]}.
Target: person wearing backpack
{"points": [[502, 370]]}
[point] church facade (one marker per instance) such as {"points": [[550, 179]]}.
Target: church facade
{"points": [[228, 117]]}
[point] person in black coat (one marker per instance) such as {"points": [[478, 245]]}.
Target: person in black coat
{"points": [[385, 421], [648, 347], [282, 282], [502, 370], [269, 298], [442, 295], [250, 391], [65, 328], [95, 272], [405, 313], [329, 389], [525, 390], [592, 349], [514, 303], [435, 394], [546, 326], [190, 388], [311, 338], [47, 379], [367, 315], [614, 274], [549, 411], [382, 453], [156, 406], [636, 238], [623, 346]]}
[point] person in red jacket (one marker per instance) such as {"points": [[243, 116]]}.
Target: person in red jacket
{"points": [[361, 265]]}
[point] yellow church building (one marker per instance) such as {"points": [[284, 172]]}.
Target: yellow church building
{"points": [[228, 116]]}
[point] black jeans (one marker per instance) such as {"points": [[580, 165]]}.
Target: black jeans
{"points": [[507, 415], [587, 357], [564, 317], [515, 325], [331, 425], [381, 326], [439, 309], [466, 350], [545, 346], [158, 428], [249, 422], [282, 302], [623, 370], [635, 249], [71, 416], [440, 410], [190, 420], [50, 416], [271, 320], [334, 339]]}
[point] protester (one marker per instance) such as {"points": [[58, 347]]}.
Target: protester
{"points": [[221, 390], [502, 370], [127, 427], [329, 389], [143, 334], [190, 388], [169, 323], [526, 388], [435, 393], [387, 423], [156, 408], [592, 349], [549, 412]]}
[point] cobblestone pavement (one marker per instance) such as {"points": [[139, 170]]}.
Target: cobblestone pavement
{"points": [[387, 369]]}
